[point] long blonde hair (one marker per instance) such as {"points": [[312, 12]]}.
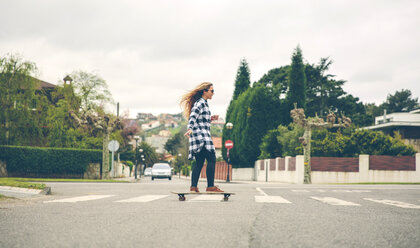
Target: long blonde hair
{"points": [[188, 99]]}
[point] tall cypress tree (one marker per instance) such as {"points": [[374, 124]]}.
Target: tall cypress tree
{"points": [[297, 80], [242, 81]]}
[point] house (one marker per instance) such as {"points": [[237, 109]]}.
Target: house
{"points": [[165, 133], [407, 124], [157, 142], [217, 142], [150, 125], [145, 116], [171, 124]]}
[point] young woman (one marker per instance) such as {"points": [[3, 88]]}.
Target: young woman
{"points": [[201, 145]]}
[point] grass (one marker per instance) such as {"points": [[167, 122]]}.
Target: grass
{"points": [[2, 197], [14, 182], [31, 183]]}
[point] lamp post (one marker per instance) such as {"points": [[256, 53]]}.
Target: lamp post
{"points": [[179, 156], [228, 146], [142, 161], [135, 164], [68, 80]]}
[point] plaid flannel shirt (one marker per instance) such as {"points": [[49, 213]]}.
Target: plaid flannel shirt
{"points": [[199, 123]]}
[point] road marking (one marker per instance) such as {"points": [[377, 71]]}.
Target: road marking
{"points": [[144, 198], [394, 203], [207, 198], [334, 201], [261, 191], [300, 190], [270, 199], [80, 198], [351, 191]]}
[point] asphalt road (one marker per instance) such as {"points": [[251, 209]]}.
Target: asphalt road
{"points": [[146, 214]]}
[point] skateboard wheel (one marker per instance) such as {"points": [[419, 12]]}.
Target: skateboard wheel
{"points": [[226, 198], [182, 198]]}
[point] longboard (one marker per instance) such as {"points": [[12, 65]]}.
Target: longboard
{"points": [[181, 195]]}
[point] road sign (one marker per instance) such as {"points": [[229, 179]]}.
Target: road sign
{"points": [[113, 146], [228, 144]]}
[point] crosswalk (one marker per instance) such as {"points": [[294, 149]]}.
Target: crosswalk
{"points": [[261, 198]]}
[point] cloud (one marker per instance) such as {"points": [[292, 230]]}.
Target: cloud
{"points": [[151, 52]]}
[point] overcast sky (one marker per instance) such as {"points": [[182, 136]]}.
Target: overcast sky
{"points": [[151, 52]]}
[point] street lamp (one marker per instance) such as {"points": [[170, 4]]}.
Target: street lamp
{"points": [[135, 165], [142, 159], [68, 80], [179, 156], [229, 127]]}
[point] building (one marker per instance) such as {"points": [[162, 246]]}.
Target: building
{"points": [[157, 142], [150, 125], [407, 124], [165, 133], [217, 142]]}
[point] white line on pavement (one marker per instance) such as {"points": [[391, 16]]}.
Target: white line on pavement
{"points": [[334, 201], [351, 191], [207, 198], [300, 190], [261, 191], [394, 203], [144, 198], [270, 199], [80, 198]]}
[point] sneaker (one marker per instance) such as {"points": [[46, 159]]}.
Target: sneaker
{"points": [[213, 189], [194, 189]]}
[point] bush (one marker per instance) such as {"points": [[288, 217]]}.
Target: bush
{"points": [[348, 142], [50, 162]]}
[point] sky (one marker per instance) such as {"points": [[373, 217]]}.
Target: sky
{"points": [[151, 52]]}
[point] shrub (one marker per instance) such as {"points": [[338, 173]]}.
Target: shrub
{"points": [[50, 162]]}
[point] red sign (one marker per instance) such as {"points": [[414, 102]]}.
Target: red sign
{"points": [[228, 144]]}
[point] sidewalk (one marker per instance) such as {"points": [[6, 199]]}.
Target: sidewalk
{"points": [[23, 192]]}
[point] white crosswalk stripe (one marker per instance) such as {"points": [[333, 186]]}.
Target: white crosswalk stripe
{"points": [[80, 198], [394, 203], [207, 198], [334, 201], [144, 198]]}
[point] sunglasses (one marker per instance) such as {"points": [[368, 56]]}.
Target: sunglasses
{"points": [[212, 91]]}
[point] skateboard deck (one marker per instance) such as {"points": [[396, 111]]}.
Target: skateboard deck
{"points": [[181, 195]]}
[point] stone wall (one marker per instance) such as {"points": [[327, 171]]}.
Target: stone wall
{"points": [[3, 169], [93, 171]]}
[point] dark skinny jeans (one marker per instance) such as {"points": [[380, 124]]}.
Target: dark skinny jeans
{"points": [[211, 161]]}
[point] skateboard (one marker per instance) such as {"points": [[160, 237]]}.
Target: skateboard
{"points": [[181, 195]]}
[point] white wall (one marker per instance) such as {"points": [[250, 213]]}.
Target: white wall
{"points": [[364, 174]]}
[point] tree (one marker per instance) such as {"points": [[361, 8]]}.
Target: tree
{"points": [[242, 81], [297, 81], [254, 113], [400, 101], [92, 89], [150, 155], [17, 92], [270, 146], [322, 90]]}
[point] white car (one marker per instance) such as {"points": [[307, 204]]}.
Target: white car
{"points": [[148, 172], [161, 170]]}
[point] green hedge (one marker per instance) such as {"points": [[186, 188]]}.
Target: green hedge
{"points": [[33, 161]]}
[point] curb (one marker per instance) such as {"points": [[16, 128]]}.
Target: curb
{"points": [[46, 190]]}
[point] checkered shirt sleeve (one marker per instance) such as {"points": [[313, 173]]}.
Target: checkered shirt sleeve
{"points": [[199, 123]]}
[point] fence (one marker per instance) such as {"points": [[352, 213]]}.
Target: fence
{"points": [[365, 168], [220, 171]]}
